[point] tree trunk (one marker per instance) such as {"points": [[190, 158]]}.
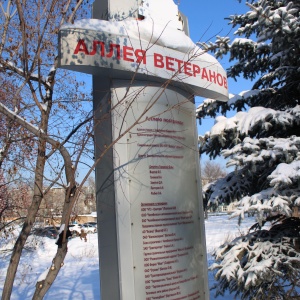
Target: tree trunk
{"points": [[43, 286], [30, 218]]}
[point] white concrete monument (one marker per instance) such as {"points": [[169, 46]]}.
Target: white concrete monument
{"points": [[150, 215]]}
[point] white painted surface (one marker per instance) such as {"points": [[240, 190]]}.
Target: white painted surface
{"points": [[125, 50], [160, 227]]}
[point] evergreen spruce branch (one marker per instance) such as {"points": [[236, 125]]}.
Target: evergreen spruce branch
{"points": [[280, 264], [232, 187], [263, 144], [231, 131]]}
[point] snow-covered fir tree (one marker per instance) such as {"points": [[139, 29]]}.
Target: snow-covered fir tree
{"points": [[262, 141]]}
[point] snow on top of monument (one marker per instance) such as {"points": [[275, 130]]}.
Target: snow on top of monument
{"points": [[146, 30], [161, 12], [161, 26]]}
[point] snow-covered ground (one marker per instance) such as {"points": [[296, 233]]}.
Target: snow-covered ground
{"points": [[79, 278], [218, 229]]}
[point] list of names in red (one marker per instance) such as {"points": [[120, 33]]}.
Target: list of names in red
{"points": [[167, 251]]}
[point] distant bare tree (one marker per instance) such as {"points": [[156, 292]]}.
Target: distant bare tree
{"points": [[211, 171]]}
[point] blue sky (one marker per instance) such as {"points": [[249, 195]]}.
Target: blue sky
{"points": [[207, 20]]}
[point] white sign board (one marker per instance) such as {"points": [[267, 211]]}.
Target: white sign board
{"points": [[127, 57], [162, 247]]}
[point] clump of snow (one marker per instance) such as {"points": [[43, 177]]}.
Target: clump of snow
{"points": [[43, 275], [242, 95], [285, 174], [52, 69], [245, 121], [239, 41], [222, 123], [61, 229], [45, 105]]}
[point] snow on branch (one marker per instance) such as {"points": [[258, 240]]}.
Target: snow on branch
{"points": [[207, 105], [228, 189], [210, 107], [12, 67], [259, 261], [286, 175], [242, 96], [266, 202], [257, 122], [265, 152]]}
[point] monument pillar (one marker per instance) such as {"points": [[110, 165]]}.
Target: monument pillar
{"points": [[146, 72], [110, 285]]}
